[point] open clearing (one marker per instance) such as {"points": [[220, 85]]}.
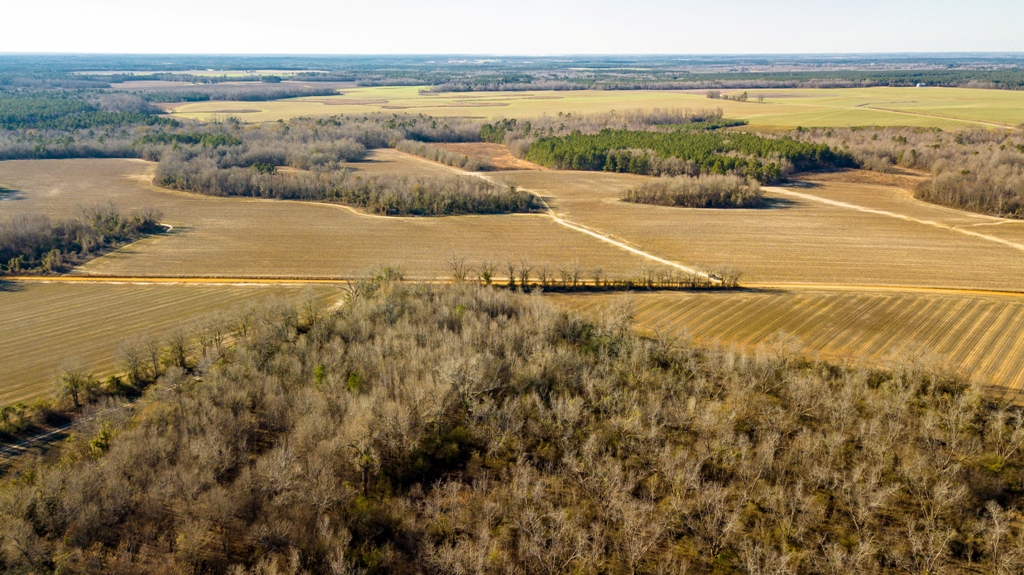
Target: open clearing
{"points": [[497, 155], [979, 335], [243, 237], [946, 108], [44, 324]]}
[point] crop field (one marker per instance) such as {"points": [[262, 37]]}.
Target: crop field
{"points": [[982, 336], [946, 108], [243, 237], [820, 232], [44, 324]]}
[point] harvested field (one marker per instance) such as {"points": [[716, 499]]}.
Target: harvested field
{"points": [[242, 237], [979, 335], [946, 108], [801, 238], [44, 324]]}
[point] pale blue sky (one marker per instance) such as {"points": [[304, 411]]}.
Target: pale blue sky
{"points": [[520, 27]]}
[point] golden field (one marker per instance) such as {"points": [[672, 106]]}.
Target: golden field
{"points": [[46, 324], [978, 335], [245, 237], [877, 235], [946, 108]]}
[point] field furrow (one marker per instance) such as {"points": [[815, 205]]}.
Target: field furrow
{"points": [[977, 334], [46, 324]]}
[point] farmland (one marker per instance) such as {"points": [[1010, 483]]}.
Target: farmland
{"points": [[46, 324], [946, 108], [800, 239], [213, 237], [982, 335]]}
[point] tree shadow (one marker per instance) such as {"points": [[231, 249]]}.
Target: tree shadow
{"points": [[768, 203], [799, 184], [9, 286], [7, 194]]}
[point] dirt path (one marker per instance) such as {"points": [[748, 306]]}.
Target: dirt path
{"points": [[871, 106], [838, 204]]}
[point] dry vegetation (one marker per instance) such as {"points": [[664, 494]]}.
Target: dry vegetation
{"points": [[973, 334], [46, 325], [462, 430]]}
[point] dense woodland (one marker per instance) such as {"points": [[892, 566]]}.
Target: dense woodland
{"points": [[707, 191], [694, 152], [976, 170], [34, 244], [237, 91], [65, 112], [459, 429]]}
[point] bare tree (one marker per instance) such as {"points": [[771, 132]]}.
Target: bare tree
{"points": [[524, 273], [486, 273], [75, 381], [131, 354], [458, 268]]}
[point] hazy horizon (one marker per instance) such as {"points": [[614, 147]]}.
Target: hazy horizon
{"points": [[525, 28]]}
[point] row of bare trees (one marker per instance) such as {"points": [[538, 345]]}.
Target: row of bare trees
{"points": [[522, 274]]}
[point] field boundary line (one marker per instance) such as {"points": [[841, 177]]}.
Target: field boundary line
{"points": [[838, 204], [867, 288], [254, 281]]}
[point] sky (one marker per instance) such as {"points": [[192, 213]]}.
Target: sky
{"points": [[522, 27]]}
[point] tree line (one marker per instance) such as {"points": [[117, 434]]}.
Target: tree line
{"points": [[570, 277], [36, 244], [440, 155], [453, 429], [304, 143], [383, 194]]}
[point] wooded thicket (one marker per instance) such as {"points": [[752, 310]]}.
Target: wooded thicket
{"points": [[463, 430], [31, 244], [707, 191]]}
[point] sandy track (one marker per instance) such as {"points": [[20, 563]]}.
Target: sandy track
{"points": [[838, 204]]}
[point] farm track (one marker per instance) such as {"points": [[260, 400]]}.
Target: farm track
{"points": [[939, 116], [875, 211]]}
